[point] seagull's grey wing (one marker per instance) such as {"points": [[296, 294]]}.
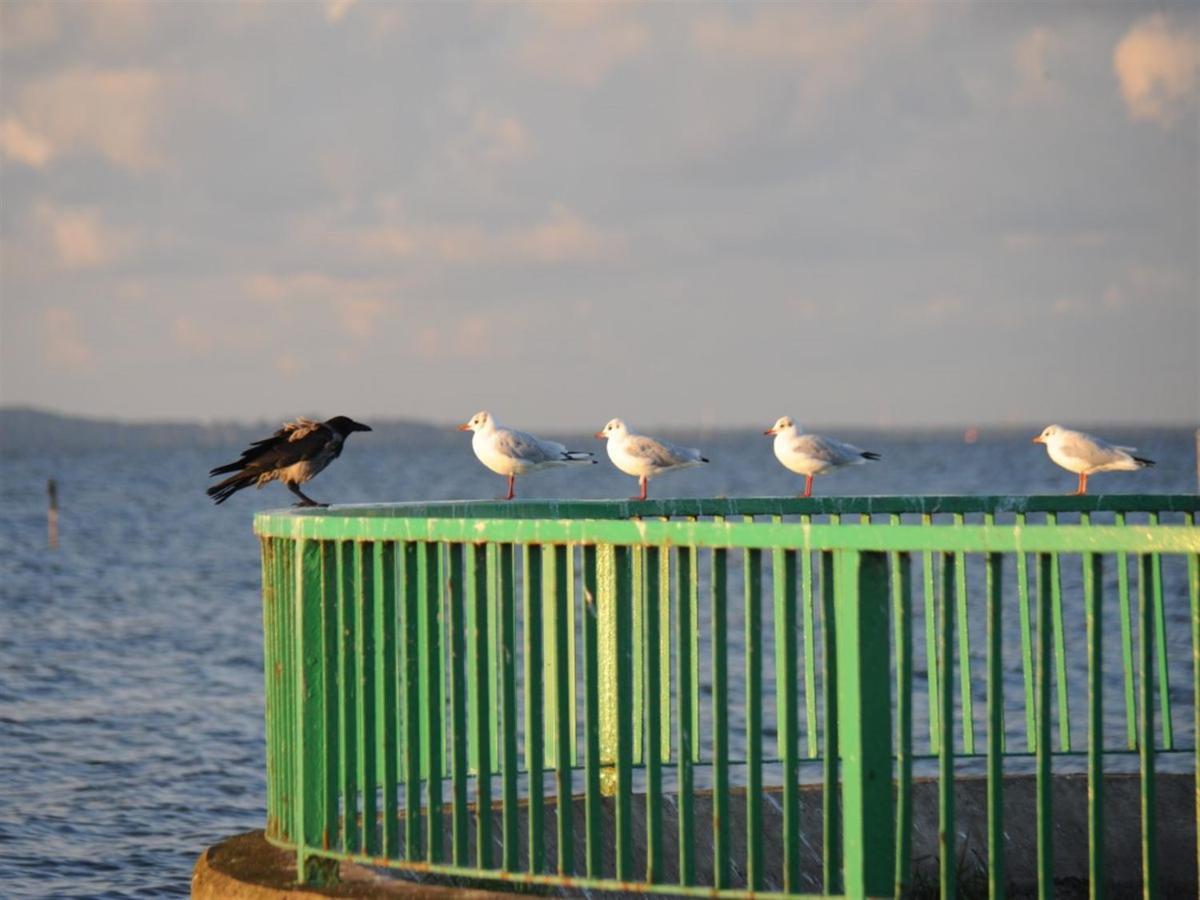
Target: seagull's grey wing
{"points": [[660, 453], [1091, 450], [825, 449], [526, 447]]}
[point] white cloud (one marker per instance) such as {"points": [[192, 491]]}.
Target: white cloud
{"points": [[117, 114], [1034, 59], [335, 10], [63, 340], [20, 143], [28, 25], [831, 45], [581, 43], [80, 238], [562, 237], [1158, 65]]}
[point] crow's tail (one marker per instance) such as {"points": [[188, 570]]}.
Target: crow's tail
{"points": [[230, 486]]}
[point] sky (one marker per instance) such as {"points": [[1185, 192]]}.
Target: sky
{"points": [[690, 214]]}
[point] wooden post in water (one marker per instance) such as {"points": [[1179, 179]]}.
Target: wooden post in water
{"points": [[52, 515]]}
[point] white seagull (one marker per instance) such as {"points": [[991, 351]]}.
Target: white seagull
{"points": [[645, 457], [507, 451], [1085, 454], [811, 454]]}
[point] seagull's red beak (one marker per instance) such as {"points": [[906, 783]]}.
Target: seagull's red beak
{"points": [[601, 435], [769, 431], [465, 426], [1037, 440]]}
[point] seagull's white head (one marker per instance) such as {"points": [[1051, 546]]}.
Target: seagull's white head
{"points": [[1050, 431], [614, 428], [782, 424], [478, 422]]}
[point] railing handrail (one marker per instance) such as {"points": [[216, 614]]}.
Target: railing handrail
{"points": [[742, 535], [924, 504]]}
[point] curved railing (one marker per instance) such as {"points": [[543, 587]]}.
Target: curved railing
{"points": [[689, 674]]}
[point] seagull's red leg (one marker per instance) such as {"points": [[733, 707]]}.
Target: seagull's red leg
{"points": [[642, 496], [1082, 489], [808, 485], [511, 483]]}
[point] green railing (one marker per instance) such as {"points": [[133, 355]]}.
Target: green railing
{"points": [[690, 674]]}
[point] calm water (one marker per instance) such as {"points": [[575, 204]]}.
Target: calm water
{"points": [[131, 731]]}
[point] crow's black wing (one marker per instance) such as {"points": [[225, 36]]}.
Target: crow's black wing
{"points": [[289, 445]]}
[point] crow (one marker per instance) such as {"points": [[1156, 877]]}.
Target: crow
{"points": [[295, 453]]}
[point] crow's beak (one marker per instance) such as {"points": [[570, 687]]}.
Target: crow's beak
{"points": [[769, 431], [359, 426], [464, 427], [601, 435], [1037, 440]]}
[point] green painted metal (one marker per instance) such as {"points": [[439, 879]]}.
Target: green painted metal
{"points": [[1027, 674], [995, 729], [624, 709], [901, 568], [1092, 590], [1126, 644], [864, 724], [591, 677], [1160, 647], [721, 811], [1146, 735], [563, 692], [831, 830], [789, 720], [1044, 821], [684, 626], [392, 665], [947, 849], [531, 609], [967, 705], [755, 863], [655, 666]]}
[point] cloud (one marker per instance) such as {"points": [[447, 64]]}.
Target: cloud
{"points": [[28, 25], [359, 318], [335, 10], [63, 341], [581, 43], [116, 114], [19, 143], [189, 335], [1034, 59], [562, 237], [81, 240], [1157, 65], [831, 45]]}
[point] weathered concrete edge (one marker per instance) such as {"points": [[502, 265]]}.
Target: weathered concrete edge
{"points": [[248, 867]]}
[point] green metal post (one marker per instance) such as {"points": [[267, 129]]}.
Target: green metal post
{"points": [[564, 685], [947, 849], [901, 568], [864, 715], [412, 702], [683, 650], [534, 752], [429, 571], [386, 707], [591, 680], [721, 813], [509, 766], [458, 710], [1146, 735], [1045, 828], [623, 665], [365, 714], [477, 585], [1093, 585], [831, 830], [995, 731], [755, 863], [653, 599]]}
